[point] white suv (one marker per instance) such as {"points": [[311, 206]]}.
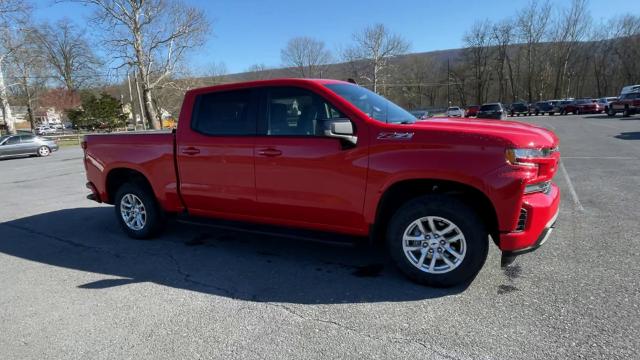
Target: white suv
{"points": [[455, 111]]}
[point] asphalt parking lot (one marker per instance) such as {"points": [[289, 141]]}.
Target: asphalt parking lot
{"points": [[73, 286]]}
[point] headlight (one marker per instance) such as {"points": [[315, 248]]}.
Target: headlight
{"points": [[521, 156]]}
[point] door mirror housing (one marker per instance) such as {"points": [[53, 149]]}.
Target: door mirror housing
{"points": [[341, 128]]}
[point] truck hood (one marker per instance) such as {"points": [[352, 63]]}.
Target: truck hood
{"points": [[515, 133]]}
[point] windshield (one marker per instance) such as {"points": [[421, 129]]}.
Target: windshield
{"points": [[583, 101], [372, 104]]}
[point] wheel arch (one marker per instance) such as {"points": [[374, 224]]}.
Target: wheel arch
{"points": [[119, 176], [402, 191]]}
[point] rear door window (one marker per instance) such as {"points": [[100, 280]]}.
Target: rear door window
{"points": [[27, 138], [225, 113]]}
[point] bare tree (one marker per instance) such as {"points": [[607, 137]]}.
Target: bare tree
{"points": [[502, 36], [68, 53], [571, 27], [151, 36], [532, 24], [29, 71], [11, 18], [307, 56], [478, 50], [373, 47], [626, 31]]}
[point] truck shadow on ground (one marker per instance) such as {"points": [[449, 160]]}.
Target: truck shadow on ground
{"points": [[634, 135], [224, 263]]}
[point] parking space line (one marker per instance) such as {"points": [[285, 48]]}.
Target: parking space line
{"points": [[602, 157], [574, 195]]}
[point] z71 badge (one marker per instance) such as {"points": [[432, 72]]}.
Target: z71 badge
{"points": [[395, 135]]}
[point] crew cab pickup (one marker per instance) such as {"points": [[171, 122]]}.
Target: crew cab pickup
{"points": [[628, 103], [332, 158]]}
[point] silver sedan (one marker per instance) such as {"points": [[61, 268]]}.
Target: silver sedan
{"points": [[27, 144]]}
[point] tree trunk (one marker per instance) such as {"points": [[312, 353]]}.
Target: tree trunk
{"points": [[150, 110], [6, 107]]}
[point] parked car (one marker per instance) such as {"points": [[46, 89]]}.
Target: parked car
{"points": [[421, 114], [605, 101], [627, 104], [492, 111], [29, 144], [586, 106], [519, 108], [455, 111], [45, 130], [543, 107], [472, 111], [332, 156], [565, 105]]}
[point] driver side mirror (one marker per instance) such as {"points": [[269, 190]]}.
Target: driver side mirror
{"points": [[340, 128]]}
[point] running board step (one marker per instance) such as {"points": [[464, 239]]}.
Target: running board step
{"points": [[275, 231]]}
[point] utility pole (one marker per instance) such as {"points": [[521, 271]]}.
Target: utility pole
{"points": [[448, 83]]}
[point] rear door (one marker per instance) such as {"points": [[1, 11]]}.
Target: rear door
{"points": [[215, 155], [28, 144], [304, 178]]}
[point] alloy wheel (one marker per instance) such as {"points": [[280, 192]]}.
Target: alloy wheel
{"points": [[434, 244]]}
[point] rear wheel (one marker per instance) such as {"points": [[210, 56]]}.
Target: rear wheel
{"points": [[137, 211], [437, 240], [626, 112], [44, 151], [611, 112]]}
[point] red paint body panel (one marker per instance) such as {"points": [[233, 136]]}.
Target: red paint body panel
{"points": [[316, 182]]}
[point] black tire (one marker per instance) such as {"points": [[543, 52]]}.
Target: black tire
{"points": [[611, 112], [626, 112], [458, 213], [577, 112], [153, 219], [44, 151], [551, 113]]}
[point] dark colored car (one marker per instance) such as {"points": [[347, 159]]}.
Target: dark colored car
{"points": [[588, 106], [21, 145], [543, 107], [565, 106], [421, 114], [492, 111], [628, 104], [472, 111], [519, 108]]}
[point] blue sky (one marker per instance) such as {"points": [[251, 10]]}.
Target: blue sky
{"points": [[247, 32]]}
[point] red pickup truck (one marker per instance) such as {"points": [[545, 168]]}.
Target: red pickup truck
{"points": [[628, 103], [326, 157]]}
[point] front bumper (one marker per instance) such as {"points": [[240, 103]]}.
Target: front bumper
{"points": [[542, 212]]}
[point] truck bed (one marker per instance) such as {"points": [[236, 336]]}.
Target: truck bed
{"points": [[150, 153]]}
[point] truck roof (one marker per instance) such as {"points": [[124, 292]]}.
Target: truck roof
{"points": [[630, 89], [270, 82]]}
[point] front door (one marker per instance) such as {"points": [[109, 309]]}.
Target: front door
{"points": [[304, 178]]}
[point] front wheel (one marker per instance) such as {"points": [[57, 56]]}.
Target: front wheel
{"points": [[437, 240], [137, 211]]}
